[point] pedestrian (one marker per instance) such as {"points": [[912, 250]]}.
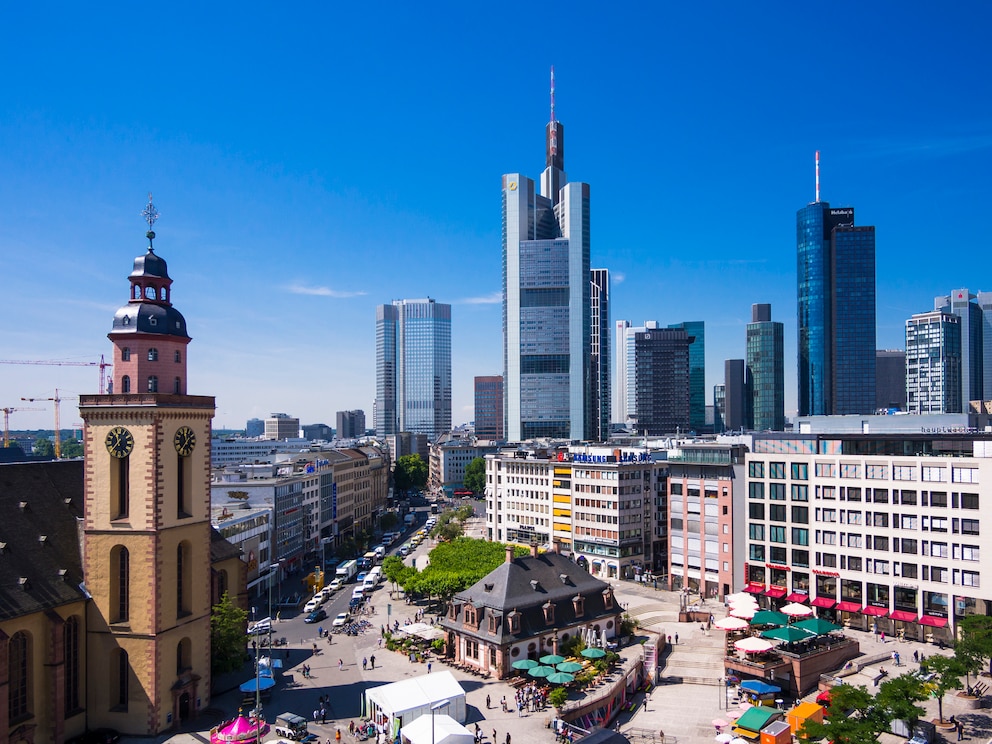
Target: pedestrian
{"points": [[365, 663], [372, 660], [882, 636], [916, 656], [337, 734], [323, 716], [488, 701], [898, 659], [428, 667], [960, 728], [494, 736], [507, 737], [669, 640], [503, 703], [676, 638], [316, 715], [340, 665], [351, 727]]}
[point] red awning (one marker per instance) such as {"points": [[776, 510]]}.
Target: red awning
{"points": [[797, 597], [936, 622], [775, 591], [849, 607], [754, 588], [903, 616], [824, 602], [876, 611]]}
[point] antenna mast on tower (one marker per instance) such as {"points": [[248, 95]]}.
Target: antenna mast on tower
{"points": [[817, 176], [552, 92]]}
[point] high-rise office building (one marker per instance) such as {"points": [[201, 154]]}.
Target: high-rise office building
{"points": [[890, 380], [736, 395], [599, 350], [765, 358], [489, 407], [546, 300], [974, 367], [697, 372], [413, 368], [280, 426], [719, 407], [836, 310], [658, 379], [350, 424], [934, 363], [618, 408], [985, 303], [255, 427]]}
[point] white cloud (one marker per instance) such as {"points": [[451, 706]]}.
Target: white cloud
{"points": [[617, 277], [493, 298], [322, 291]]}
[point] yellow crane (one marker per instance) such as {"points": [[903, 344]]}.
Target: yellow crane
{"points": [[6, 421], [103, 365], [58, 430]]}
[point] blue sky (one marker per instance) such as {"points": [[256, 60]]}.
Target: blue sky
{"points": [[313, 161]]}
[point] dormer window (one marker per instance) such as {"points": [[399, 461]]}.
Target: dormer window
{"points": [[549, 612], [494, 622], [579, 604], [453, 610], [471, 615], [513, 622], [608, 599]]}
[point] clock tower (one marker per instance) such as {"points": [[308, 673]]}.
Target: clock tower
{"points": [[146, 529]]}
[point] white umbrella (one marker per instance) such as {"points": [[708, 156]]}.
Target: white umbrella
{"points": [[731, 623], [795, 609], [739, 740], [745, 612], [752, 645], [723, 738], [731, 598]]}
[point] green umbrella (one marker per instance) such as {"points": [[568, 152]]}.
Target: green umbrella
{"points": [[593, 653], [769, 617], [789, 634], [569, 667], [561, 678], [525, 664], [552, 659], [541, 671], [816, 625]]}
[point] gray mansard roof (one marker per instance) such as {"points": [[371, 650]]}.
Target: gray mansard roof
{"points": [[150, 317]]}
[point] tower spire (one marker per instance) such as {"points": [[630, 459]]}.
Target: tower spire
{"points": [[817, 176], [552, 92]]}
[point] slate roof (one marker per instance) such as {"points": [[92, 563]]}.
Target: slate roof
{"points": [[525, 585], [40, 500], [220, 548]]}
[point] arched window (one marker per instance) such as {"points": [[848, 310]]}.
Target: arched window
{"points": [[120, 584], [179, 357], [184, 579], [126, 384], [120, 486], [70, 637], [136, 294], [183, 656], [153, 355], [18, 667], [150, 293], [177, 386], [125, 354], [120, 671], [152, 384]]}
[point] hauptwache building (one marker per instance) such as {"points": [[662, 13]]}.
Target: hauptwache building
{"points": [[107, 567], [880, 531]]}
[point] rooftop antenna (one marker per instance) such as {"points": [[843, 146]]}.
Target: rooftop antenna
{"points": [[552, 92], [817, 176]]}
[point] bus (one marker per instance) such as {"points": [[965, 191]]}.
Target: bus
{"points": [[463, 492]]}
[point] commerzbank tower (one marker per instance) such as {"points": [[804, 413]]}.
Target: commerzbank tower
{"points": [[553, 383]]}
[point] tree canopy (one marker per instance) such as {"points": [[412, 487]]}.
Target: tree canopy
{"points": [[975, 643], [858, 717], [454, 566], [410, 472], [475, 475], [947, 672], [227, 636], [43, 447]]}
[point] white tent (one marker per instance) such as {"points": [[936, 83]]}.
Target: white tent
{"points": [[401, 703], [443, 729]]}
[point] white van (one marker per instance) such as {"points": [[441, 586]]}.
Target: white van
{"points": [[358, 592]]}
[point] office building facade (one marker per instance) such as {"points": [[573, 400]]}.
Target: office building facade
{"points": [[736, 396], [600, 359], [350, 424], [279, 426], [697, 372], [765, 360], [489, 407], [546, 301], [413, 368], [890, 380], [836, 312], [618, 394], [933, 363], [658, 380], [974, 365]]}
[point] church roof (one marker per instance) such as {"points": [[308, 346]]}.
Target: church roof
{"points": [[150, 264], [41, 508], [149, 317]]}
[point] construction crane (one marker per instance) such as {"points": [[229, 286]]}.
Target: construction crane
{"points": [[58, 431], [6, 421], [103, 365]]}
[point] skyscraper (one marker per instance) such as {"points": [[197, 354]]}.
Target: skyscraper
{"points": [[890, 379], [618, 408], [599, 350], [964, 304], [933, 363], [546, 300], [413, 368], [697, 372], [836, 310], [765, 370], [489, 407], [658, 379], [350, 424], [735, 396]]}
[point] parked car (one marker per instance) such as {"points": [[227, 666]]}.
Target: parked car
{"points": [[316, 616], [312, 605], [335, 585], [262, 627], [341, 619]]}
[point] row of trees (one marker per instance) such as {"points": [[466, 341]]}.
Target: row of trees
{"points": [[411, 473]]}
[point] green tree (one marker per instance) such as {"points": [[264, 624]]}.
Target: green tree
{"points": [[388, 520], [410, 472], [71, 448], [558, 696], [475, 475], [975, 643], [227, 636], [947, 671], [854, 718], [43, 447]]}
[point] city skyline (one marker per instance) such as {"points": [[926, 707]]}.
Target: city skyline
{"points": [[303, 186]]}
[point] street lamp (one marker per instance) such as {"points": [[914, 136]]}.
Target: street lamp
{"points": [[434, 709]]}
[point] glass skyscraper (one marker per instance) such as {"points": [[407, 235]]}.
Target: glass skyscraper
{"points": [[599, 349], [697, 372], [836, 311], [413, 368], [934, 363], [547, 301], [765, 359]]}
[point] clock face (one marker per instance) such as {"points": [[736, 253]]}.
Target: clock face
{"points": [[119, 442], [185, 440]]}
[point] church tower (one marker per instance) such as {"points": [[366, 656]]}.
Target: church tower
{"points": [[146, 529]]}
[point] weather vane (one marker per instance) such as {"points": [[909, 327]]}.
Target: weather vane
{"points": [[151, 215]]}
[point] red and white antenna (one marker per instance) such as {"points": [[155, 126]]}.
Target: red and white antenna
{"points": [[552, 92], [817, 176]]}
